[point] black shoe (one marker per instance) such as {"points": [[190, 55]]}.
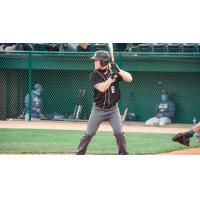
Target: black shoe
{"points": [[78, 153], [125, 153]]}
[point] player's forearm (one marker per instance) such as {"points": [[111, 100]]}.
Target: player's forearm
{"points": [[196, 128], [125, 75], [102, 87]]}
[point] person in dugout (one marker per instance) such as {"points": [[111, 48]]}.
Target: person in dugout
{"points": [[36, 104]]}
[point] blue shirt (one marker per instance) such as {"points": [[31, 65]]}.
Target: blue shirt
{"points": [[166, 108], [36, 105]]}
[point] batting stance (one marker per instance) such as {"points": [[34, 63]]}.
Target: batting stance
{"points": [[105, 81]]}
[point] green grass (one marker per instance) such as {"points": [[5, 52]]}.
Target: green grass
{"points": [[34, 141]]}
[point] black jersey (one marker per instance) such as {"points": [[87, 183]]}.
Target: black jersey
{"points": [[111, 96]]}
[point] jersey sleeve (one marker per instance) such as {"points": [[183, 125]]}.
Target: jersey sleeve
{"points": [[95, 79], [26, 101]]}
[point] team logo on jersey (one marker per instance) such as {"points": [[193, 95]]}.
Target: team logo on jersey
{"points": [[112, 89], [163, 107]]}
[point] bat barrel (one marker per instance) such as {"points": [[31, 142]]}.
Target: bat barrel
{"points": [[110, 45]]}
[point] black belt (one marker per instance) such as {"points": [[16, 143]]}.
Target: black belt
{"points": [[105, 107]]}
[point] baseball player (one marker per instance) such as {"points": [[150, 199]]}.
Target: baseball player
{"points": [[36, 103], [105, 82], [184, 138], [165, 111]]}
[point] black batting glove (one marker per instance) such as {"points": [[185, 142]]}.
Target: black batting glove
{"points": [[114, 69], [114, 76]]}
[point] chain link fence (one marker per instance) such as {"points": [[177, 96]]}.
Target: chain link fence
{"points": [[67, 93]]}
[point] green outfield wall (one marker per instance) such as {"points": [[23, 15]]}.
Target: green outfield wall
{"points": [[64, 74]]}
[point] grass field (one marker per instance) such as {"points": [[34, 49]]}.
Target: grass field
{"points": [[34, 141]]}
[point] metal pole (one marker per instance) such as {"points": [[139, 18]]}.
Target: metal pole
{"points": [[30, 84]]}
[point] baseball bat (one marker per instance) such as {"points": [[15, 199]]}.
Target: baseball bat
{"points": [[127, 106], [75, 110], [82, 94], [110, 46], [78, 112], [124, 115]]}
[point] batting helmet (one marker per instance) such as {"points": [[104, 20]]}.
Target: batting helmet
{"points": [[103, 56], [38, 86]]}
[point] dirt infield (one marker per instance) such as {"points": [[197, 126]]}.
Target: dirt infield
{"points": [[193, 151], [82, 125]]}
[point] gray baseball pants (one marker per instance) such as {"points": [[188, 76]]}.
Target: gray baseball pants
{"points": [[97, 116]]}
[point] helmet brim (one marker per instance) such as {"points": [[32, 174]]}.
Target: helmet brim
{"points": [[92, 58]]}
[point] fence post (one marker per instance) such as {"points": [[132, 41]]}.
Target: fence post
{"points": [[119, 60], [7, 114], [30, 84]]}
